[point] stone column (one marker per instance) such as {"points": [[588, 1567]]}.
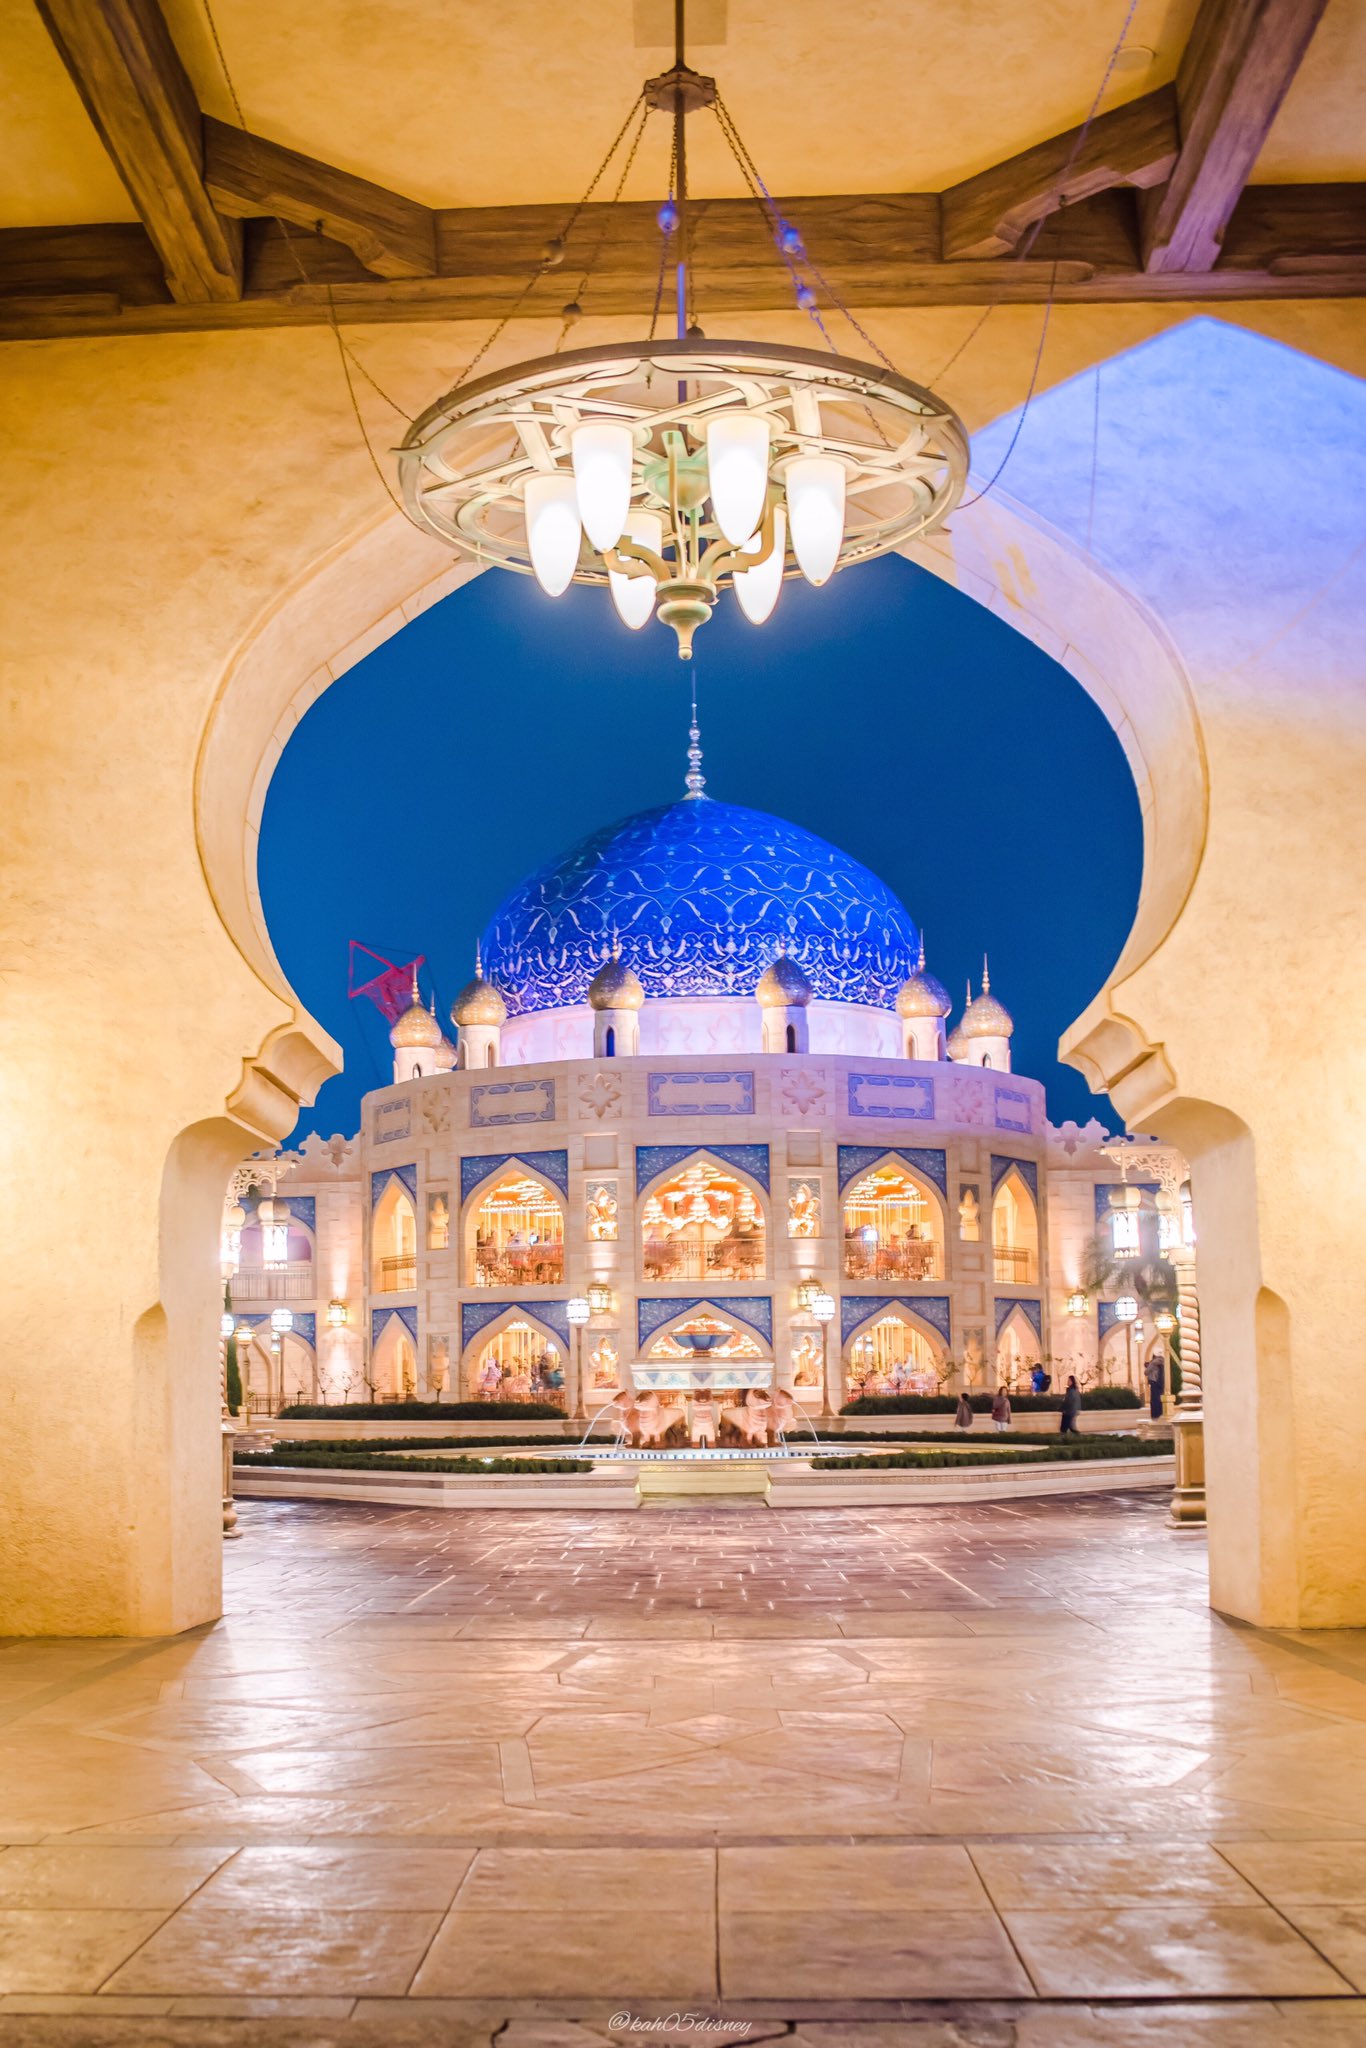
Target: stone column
{"points": [[1188, 1421]]}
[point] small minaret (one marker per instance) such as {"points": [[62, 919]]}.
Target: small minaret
{"points": [[479, 1014], [986, 1028], [617, 999], [922, 1004], [417, 1041], [783, 995]]}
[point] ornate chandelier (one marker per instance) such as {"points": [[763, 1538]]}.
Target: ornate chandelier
{"points": [[669, 469]]}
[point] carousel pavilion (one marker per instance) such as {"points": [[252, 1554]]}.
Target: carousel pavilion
{"points": [[704, 1098]]}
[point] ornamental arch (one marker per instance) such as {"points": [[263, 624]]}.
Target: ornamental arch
{"points": [[1225, 651], [703, 1217]]}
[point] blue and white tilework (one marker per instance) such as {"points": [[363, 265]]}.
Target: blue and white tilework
{"points": [[551, 1166], [718, 1094], [380, 1316], [1033, 1310], [511, 1102], [1013, 1110], [754, 1310], [856, 1310], [652, 1160], [380, 1181], [856, 1160], [477, 1315], [896, 1097], [1027, 1169]]}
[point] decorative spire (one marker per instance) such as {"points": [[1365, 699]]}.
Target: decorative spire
{"points": [[694, 782], [416, 997], [969, 1003], [986, 977], [920, 963], [478, 963]]}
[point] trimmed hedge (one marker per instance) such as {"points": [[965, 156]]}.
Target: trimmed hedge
{"points": [[428, 1411], [418, 1443], [1013, 1436], [1021, 1404], [1067, 1451], [325, 1458]]}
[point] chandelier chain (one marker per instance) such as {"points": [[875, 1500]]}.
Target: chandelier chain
{"points": [[664, 242], [601, 243], [764, 200]]}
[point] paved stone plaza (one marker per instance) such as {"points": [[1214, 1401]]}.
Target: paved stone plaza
{"points": [[993, 1773]]}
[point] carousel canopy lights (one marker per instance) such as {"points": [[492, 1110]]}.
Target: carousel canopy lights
{"points": [[668, 469]]}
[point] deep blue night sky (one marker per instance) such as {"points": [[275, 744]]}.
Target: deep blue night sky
{"points": [[885, 712]]}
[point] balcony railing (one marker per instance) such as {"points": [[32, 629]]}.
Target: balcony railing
{"points": [[273, 1283], [729, 1258], [922, 1260], [398, 1274], [532, 1265], [1015, 1265]]}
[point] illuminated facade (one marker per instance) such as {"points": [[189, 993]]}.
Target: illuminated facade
{"points": [[701, 1075]]}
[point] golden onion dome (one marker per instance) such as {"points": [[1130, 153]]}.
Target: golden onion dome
{"points": [[417, 1026], [986, 1018], [479, 1001], [444, 1056], [783, 985], [957, 1047], [616, 986], [922, 995]]}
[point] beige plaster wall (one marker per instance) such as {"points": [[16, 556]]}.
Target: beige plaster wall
{"points": [[162, 500]]}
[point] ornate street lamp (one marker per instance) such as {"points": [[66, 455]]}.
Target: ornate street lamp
{"points": [[822, 1307], [578, 1311]]}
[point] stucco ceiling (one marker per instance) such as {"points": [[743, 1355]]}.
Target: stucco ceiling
{"points": [[458, 105]]}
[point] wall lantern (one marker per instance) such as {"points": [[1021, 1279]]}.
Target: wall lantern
{"points": [[1126, 1309], [338, 1314], [281, 1319], [599, 1297], [227, 1323], [1165, 1321], [1077, 1303], [244, 1333], [578, 1310], [822, 1306]]}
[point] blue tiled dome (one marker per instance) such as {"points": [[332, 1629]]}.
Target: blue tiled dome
{"points": [[700, 893]]}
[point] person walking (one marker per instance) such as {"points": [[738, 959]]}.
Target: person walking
{"points": [[1152, 1373], [962, 1414], [1071, 1407], [1038, 1380], [1000, 1410]]}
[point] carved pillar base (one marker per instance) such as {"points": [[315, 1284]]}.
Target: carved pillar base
{"points": [[230, 1527], [1188, 1499]]}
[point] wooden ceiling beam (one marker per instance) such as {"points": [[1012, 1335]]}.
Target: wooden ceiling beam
{"points": [[1236, 70], [249, 178], [1300, 241], [1133, 145], [136, 91]]}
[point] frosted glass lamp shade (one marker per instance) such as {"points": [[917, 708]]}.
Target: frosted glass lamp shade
{"points": [[553, 529], [602, 453], [757, 589], [634, 596], [815, 505], [737, 464]]}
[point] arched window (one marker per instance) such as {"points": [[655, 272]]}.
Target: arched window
{"points": [[702, 1224], [792, 1038], [517, 1234], [393, 1368], [394, 1241], [520, 1362], [609, 1043], [893, 1227], [891, 1356], [1015, 1233], [731, 1340], [1017, 1349]]}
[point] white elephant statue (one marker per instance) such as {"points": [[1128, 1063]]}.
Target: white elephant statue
{"points": [[750, 1417], [651, 1419]]}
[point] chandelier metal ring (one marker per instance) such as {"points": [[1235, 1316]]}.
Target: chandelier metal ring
{"points": [[465, 464]]}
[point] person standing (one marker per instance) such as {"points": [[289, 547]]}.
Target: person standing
{"points": [[1152, 1373], [1038, 1380], [1000, 1410], [1071, 1407], [962, 1415]]}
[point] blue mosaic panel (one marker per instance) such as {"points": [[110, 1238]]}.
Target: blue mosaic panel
{"points": [[380, 1181], [303, 1209], [729, 1092], [1033, 1310], [306, 1326], [1027, 1169], [380, 1316], [656, 1159], [856, 1160], [552, 1166], [477, 1315], [857, 1309], [701, 893], [1105, 1319], [754, 1310], [894, 1096], [511, 1102], [1013, 1110]]}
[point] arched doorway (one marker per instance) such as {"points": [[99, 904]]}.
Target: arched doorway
{"points": [[393, 1241], [893, 1225], [894, 1352], [1015, 1232], [393, 1361], [514, 1231], [516, 1358]]}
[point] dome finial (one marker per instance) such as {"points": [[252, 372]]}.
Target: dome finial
{"points": [[986, 977], [920, 963], [478, 962], [694, 782], [416, 997]]}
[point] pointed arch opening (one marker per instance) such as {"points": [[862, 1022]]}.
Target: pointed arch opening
{"points": [[731, 1338], [703, 1220], [514, 1231], [1018, 1350], [896, 1352], [517, 1357], [894, 1225], [1015, 1232], [393, 1364], [393, 1241]]}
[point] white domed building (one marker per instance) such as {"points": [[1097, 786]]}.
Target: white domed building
{"points": [[701, 1089]]}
